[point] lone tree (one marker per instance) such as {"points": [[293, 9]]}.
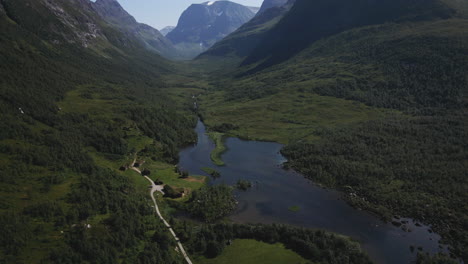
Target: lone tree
{"points": [[146, 172], [184, 175], [171, 192]]}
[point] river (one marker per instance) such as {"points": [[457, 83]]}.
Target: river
{"points": [[275, 190]]}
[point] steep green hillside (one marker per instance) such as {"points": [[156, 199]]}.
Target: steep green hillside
{"points": [[74, 108], [313, 20], [402, 66]]}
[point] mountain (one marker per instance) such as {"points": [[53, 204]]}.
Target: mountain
{"points": [[317, 19], [90, 24], [271, 3], [166, 30], [152, 39], [243, 41], [202, 25]]}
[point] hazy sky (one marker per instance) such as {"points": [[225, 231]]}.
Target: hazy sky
{"points": [[161, 13]]}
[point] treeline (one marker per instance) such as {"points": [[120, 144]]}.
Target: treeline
{"points": [[409, 166], [211, 203], [317, 246], [435, 259]]}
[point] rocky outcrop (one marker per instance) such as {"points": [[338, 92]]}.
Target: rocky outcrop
{"points": [[114, 13], [81, 27]]}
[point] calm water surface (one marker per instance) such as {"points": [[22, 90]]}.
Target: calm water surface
{"points": [[276, 189]]}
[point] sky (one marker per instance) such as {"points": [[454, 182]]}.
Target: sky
{"points": [[162, 13]]}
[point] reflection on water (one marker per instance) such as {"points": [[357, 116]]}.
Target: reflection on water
{"points": [[275, 190]]}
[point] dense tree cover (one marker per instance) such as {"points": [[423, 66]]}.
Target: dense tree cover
{"points": [[211, 203], [415, 71], [16, 230], [103, 218], [161, 123], [437, 259], [315, 245], [413, 166], [59, 150], [105, 192]]}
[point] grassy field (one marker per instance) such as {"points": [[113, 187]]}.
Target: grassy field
{"points": [[247, 251], [286, 116], [220, 148], [165, 172]]}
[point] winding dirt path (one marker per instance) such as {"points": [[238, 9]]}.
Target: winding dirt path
{"points": [[158, 188]]}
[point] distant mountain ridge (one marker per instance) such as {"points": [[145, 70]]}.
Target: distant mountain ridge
{"points": [[271, 3], [242, 42], [202, 25], [112, 12], [166, 30]]}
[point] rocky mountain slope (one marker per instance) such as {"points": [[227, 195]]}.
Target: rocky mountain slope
{"points": [[152, 39], [202, 25], [243, 41]]}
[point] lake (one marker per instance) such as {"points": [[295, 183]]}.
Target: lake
{"points": [[276, 190]]}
